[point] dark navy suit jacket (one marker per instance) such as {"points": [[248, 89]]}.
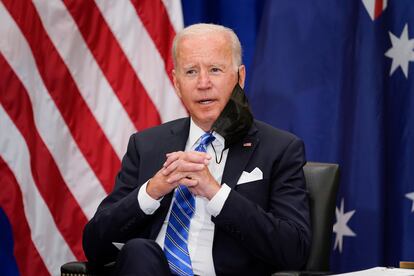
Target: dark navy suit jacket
{"points": [[264, 225]]}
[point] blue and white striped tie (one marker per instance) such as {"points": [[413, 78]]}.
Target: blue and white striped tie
{"points": [[176, 237]]}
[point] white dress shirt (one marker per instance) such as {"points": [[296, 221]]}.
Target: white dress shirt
{"points": [[201, 233]]}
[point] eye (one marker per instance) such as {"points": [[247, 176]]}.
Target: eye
{"points": [[215, 70], [190, 72]]}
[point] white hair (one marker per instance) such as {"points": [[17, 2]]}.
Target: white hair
{"points": [[203, 29]]}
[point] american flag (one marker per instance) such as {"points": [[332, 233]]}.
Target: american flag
{"points": [[77, 78]]}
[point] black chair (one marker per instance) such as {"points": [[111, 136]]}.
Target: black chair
{"points": [[322, 182]]}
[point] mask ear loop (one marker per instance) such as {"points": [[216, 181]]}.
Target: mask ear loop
{"points": [[218, 161]]}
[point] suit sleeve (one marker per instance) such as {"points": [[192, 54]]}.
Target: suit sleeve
{"points": [[279, 235], [119, 216]]}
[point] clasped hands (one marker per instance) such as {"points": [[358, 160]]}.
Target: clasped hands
{"points": [[186, 168]]}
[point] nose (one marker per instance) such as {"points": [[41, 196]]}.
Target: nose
{"points": [[204, 81]]}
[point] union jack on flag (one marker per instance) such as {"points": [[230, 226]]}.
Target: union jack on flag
{"points": [[375, 7]]}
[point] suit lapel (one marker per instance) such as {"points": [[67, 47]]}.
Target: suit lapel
{"points": [[178, 136], [238, 157]]}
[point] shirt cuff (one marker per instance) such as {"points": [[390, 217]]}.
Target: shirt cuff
{"points": [[147, 204], [216, 203]]}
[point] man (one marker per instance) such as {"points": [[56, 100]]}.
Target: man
{"points": [[245, 203]]}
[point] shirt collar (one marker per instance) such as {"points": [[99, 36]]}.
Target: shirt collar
{"points": [[196, 132]]}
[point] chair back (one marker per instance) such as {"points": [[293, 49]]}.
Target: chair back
{"points": [[322, 182]]}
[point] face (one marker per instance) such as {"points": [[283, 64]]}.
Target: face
{"points": [[205, 76]]}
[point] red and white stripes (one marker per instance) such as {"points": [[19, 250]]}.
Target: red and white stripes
{"points": [[77, 79]]}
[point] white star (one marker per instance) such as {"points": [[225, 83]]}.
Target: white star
{"points": [[340, 227], [411, 196], [401, 52]]}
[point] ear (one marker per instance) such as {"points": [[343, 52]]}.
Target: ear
{"points": [[176, 84], [242, 75]]}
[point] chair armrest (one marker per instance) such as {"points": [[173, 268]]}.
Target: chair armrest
{"points": [[85, 269], [301, 273], [75, 268]]}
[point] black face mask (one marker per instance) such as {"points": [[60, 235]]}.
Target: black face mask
{"points": [[236, 118]]}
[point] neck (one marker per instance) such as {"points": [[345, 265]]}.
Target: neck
{"points": [[204, 127]]}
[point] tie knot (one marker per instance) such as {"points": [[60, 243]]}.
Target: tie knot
{"points": [[206, 139]]}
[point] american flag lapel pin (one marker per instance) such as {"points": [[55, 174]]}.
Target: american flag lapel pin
{"points": [[247, 144]]}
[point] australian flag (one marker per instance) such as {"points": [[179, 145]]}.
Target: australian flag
{"points": [[340, 74]]}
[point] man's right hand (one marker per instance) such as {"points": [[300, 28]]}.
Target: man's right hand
{"points": [[177, 162], [158, 186]]}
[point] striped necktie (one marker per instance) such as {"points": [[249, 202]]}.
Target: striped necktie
{"points": [[176, 237]]}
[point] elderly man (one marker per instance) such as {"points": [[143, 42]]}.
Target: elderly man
{"points": [[186, 201]]}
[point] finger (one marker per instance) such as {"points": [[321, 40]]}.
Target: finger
{"points": [[171, 157], [189, 182], [198, 157], [192, 156], [176, 177], [170, 168], [183, 166]]}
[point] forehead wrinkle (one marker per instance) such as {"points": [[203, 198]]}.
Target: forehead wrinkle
{"points": [[194, 56]]}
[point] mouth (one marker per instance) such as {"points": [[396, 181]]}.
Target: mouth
{"points": [[205, 101]]}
